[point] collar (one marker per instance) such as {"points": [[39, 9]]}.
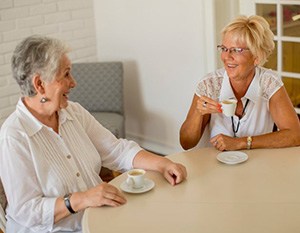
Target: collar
{"points": [[226, 90], [33, 125], [252, 92], [254, 89]]}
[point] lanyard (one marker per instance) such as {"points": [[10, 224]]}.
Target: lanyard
{"points": [[238, 125]]}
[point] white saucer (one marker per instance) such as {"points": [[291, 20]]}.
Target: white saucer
{"points": [[149, 184], [232, 157]]}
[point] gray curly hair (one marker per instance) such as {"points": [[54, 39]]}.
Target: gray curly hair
{"points": [[36, 55]]}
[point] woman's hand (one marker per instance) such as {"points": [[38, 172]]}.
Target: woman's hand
{"points": [[174, 173], [104, 194], [222, 142], [206, 105]]}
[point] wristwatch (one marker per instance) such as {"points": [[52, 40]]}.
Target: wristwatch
{"points": [[68, 203], [249, 142]]}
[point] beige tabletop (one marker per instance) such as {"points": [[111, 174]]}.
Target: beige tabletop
{"points": [[261, 195]]}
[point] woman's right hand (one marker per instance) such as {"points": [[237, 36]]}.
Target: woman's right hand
{"points": [[206, 105], [197, 118], [104, 194], [100, 195]]}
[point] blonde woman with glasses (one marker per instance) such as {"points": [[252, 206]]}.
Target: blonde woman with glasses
{"points": [[262, 100]]}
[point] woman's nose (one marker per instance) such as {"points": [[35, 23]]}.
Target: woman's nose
{"points": [[73, 82], [227, 55]]}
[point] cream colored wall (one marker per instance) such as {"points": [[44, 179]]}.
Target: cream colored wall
{"points": [[226, 10], [166, 46]]}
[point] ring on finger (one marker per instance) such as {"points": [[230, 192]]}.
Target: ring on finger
{"points": [[204, 104]]}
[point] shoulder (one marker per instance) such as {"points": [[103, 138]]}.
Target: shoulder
{"points": [[75, 108], [266, 71], [216, 75], [270, 81], [12, 127], [77, 112], [268, 74], [210, 85]]}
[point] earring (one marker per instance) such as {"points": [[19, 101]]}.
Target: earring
{"points": [[43, 100]]}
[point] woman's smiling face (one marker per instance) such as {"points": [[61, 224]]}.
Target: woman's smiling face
{"points": [[239, 66], [57, 90]]}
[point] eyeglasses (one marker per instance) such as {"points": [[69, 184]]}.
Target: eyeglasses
{"points": [[233, 50]]}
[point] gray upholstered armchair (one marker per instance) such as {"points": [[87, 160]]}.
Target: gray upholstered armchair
{"points": [[100, 90]]}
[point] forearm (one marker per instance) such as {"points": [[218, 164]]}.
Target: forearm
{"points": [[278, 139], [149, 161], [174, 173], [77, 203], [99, 195], [192, 130]]}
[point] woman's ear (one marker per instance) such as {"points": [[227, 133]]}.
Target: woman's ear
{"points": [[38, 84], [256, 61]]}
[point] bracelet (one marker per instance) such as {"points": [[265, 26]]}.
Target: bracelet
{"points": [[249, 142], [68, 203]]}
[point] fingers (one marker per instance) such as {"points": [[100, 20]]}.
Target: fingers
{"points": [[176, 174], [106, 194], [114, 198], [206, 105], [218, 142]]}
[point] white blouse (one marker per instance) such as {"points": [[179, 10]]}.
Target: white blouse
{"points": [[37, 165], [257, 119]]}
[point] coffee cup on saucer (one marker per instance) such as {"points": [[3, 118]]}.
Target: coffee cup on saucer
{"points": [[136, 178]]}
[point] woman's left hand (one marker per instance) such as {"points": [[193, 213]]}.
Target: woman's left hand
{"points": [[174, 173], [223, 142]]}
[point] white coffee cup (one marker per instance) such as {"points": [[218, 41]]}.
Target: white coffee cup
{"points": [[228, 107], [136, 178]]}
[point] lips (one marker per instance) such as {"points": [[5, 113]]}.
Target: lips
{"points": [[231, 66]]}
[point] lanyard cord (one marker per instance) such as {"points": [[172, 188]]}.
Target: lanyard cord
{"points": [[238, 125]]}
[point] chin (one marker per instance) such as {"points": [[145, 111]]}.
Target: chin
{"points": [[232, 74]]}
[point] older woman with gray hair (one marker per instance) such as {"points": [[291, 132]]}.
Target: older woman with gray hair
{"points": [[261, 97], [52, 149]]}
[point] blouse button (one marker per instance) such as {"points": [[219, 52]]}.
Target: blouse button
{"points": [[77, 174], [68, 156]]}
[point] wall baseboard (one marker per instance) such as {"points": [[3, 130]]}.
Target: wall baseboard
{"points": [[152, 145]]}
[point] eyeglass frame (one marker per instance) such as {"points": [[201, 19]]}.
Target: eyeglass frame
{"points": [[235, 50]]}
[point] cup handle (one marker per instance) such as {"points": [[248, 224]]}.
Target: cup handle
{"points": [[130, 181]]}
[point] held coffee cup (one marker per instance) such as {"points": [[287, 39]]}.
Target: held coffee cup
{"points": [[228, 107], [136, 178]]}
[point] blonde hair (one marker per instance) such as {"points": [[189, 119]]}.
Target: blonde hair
{"points": [[255, 32]]}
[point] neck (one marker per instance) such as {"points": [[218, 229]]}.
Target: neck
{"points": [[40, 112], [241, 86]]}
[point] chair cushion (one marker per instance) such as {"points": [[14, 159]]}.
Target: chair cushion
{"points": [[114, 122], [99, 86]]}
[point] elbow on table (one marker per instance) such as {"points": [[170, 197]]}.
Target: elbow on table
{"points": [[297, 140], [186, 145]]}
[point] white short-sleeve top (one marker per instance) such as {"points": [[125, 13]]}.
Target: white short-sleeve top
{"points": [[257, 118]]}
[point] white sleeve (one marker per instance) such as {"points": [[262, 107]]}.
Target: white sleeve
{"points": [[270, 83], [116, 154], [27, 206]]}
